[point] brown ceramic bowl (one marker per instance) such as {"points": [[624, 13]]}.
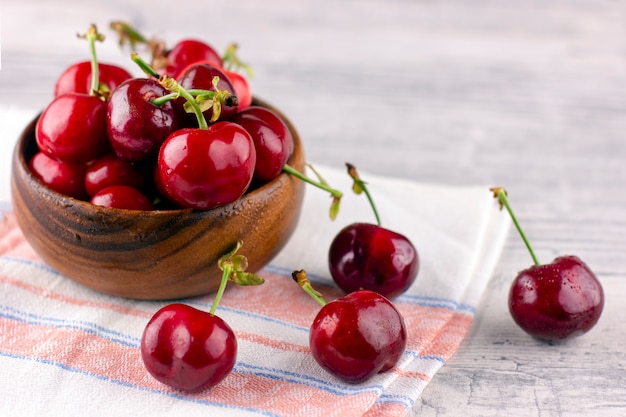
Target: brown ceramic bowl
{"points": [[163, 254]]}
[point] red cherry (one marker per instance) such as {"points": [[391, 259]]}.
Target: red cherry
{"points": [[109, 170], [242, 89], [122, 197], [367, 256], [272, 140], [136, 127], [371, 257], [554, 301], [64, 177], [203, 169], [187, 52], [558, 300], [187, 348], [200, 76], [72, 128], [77, 78]]}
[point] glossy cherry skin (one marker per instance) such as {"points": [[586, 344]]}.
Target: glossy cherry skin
{"points": [[358, 336], [556, 301], [122, 197], [136, 127], [272, 140], [188, 349], [200, 76], [110, 169], [72, 128], [203, 169], [63, 177], [242, 89], [77, 78], [187, 52], [371, 257]]}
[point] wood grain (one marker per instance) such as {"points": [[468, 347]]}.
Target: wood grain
{"points": [[527, 95]]}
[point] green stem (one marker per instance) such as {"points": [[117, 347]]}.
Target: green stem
{"points": [[359, 186], [145, 67], [321, 184], [292, 171], [304, 283], [226, 271], [92, 36], [127, 33], [500, 194], [159, 101]]}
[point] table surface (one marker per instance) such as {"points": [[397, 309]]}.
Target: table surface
{"points": [[526, 95]]}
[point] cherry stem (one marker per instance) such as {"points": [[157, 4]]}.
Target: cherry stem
{"points": [[92, 36], [359, 187], [304, 283], [128, 34], [232, 62], [227, 270], [321, 184], [145, 67], [501, 195], [233, 268]]}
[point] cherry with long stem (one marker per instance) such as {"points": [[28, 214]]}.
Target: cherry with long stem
{"points": [[553, 301]]}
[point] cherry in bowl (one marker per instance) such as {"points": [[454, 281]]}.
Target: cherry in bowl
{"points": [[161, 254]]}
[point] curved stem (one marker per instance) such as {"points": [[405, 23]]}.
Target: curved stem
{"points": [[359, 187], [304, 283], [92, 36], [226, 271], [321, 184], [145, 67], [500, 194]]}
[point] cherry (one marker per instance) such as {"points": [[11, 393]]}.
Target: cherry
{"points": [[137, 122], [190, 349], [184, 53], [122, 197], [77, 78], [206, 168], [72, 127], [272, 140], [242, 89], [555, 301], [357, 336], [109, 170], [203, 77], [64, 177], [368, 256]]}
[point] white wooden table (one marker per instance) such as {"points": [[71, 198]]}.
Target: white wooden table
{"points": [[529, 96]]}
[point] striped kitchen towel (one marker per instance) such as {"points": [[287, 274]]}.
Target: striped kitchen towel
{"points": [[67, 350]]}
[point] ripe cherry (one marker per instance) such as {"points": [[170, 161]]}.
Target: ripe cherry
{"points": [[72, 127], [190, 349], [202, 77], [122, 197], [187, 348], [554, 301], [206, 168], [137, 122], [63, 177], [184, 53], [77, 78], [368, 256], [272, 140], [357, 336], [109, 170]]}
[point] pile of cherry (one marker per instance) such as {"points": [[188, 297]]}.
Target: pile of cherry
{"points": [[185, 135], [188, 135]]}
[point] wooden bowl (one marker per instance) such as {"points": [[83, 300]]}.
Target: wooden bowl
{"points": [[163, 254]]}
